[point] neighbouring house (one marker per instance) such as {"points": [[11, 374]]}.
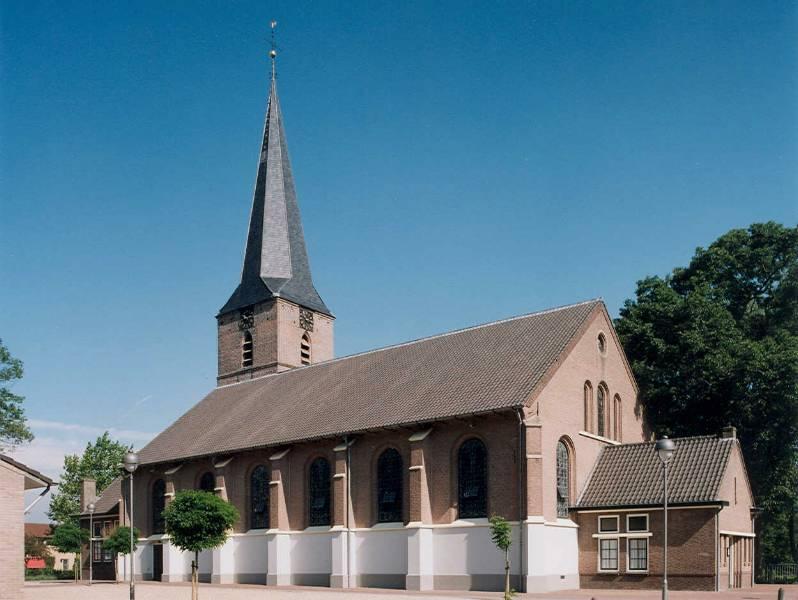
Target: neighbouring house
{"points": [[381, 469], [711, 517], [43, 531], [107, 516], [15, 479]]}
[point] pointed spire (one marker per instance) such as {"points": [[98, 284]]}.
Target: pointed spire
{"points": [[275, 260]]}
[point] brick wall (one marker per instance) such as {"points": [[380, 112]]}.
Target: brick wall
{"points": [[691, 551], [12, 561]]}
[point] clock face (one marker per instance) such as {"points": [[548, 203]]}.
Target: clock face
{"points": [[247, 319], [306, 319]]}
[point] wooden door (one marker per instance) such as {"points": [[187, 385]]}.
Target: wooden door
{"points": [[157, 562]]}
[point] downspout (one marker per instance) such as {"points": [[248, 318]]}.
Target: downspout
{"points": [[36, 500], [348, 511], [521, 496]]}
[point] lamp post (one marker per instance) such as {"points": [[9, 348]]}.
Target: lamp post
{"points": [[90, 508], [131, 463], [665, 448]]}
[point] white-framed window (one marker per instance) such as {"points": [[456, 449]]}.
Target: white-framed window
{"points": [[608, 555], [608, 524], [637, 554], [637, 523]]}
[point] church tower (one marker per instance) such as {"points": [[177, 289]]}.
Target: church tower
{"points": [[275, 320]]}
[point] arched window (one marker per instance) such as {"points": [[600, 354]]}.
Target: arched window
{"points": [[259, 498], [319, 493], [602, 343], [618, 414], [563, 479], [246, 350], [472, 480], [207, 482], [158, 504], [304, 349], [588, 407], [389, 486], [601, 400]]}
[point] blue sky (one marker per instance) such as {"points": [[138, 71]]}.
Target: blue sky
{"points": [[456, 163]]}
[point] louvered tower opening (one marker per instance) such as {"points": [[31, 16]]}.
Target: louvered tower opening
{"points": [[304, 349], [246, 350]]}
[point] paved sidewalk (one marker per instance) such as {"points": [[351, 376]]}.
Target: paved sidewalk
{"points": [[181, 591]]}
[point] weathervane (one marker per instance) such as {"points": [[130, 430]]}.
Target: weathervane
{"points": [[273, 51]]}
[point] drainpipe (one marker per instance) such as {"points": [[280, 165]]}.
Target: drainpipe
{"points": [[36, 500], [348, 510], [521, 495]]}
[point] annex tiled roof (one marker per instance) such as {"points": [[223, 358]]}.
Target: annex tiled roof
{"points": [[109, 498], [39, 530], [631, 474], [470, 371]]}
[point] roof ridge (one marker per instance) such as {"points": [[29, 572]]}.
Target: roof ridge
{"points": [[676, 439], [418, 340]]}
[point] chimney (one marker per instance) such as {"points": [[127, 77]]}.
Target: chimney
{"points": [[88, 493], [730, 431]]}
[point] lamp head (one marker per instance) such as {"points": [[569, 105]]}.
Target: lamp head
{"points": [[131, 462], [665, 448], [90, 508]]}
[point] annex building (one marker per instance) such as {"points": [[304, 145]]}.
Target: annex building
{"points": [[382, 469]]}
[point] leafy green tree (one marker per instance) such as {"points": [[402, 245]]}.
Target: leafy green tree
{"points": [[502, 536], [70, 538], [197, 521], [716, 343], [100, 461], [13, 429], [119, 543]]}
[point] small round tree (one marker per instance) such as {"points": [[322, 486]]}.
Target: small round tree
{"points": [[70, 538], [197, 521], [119, 543], [502, 536]]}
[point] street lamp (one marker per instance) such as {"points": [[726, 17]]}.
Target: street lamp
{"points": [[90, 508], [131, 463], [665, 448]]}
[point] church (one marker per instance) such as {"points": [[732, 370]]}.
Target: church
{"points": [[382, 469]]}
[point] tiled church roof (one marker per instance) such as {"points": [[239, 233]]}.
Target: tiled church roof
{"points": [[631, 474], [477, 370]]}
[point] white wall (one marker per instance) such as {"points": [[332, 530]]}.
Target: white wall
{"points": [[311, 552], [380, 551], [250, 553], [468, 550]]}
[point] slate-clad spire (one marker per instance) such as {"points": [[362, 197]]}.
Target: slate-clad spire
{"points": [[276, 260]]}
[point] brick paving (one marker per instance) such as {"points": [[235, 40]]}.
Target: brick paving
{"points": [[160, 591]]}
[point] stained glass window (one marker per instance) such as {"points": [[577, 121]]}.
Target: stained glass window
{"points": [[158, 504], [389, 487], [259, 498], [600, 402], [319, 493], [563, 479], [207, 482], [472, 480]]}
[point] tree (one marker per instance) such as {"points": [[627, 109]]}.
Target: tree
{"points": [[70, 538], [35, 547], [13, 429], [100, 461], [196, 521], [119, 543], [716, 343], [502, 537]]}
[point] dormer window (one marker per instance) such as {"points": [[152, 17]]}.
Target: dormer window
{"points": [[246, 350], [304, 349]]}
